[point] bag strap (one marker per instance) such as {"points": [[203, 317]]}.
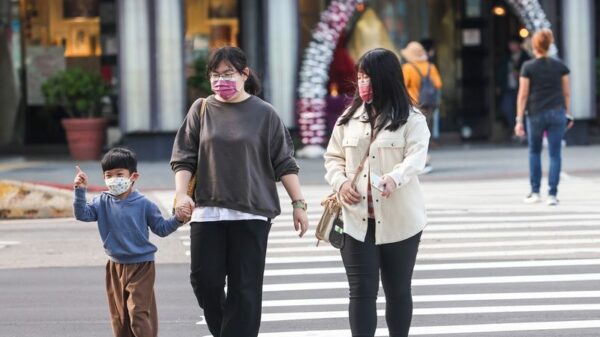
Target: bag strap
{"points": [[417, 69], [202, 111], [427, 75], [364, 158]]}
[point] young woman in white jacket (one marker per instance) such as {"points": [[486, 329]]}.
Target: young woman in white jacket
{"points": [[382, 223]]}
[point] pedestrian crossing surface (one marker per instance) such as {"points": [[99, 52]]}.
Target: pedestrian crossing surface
{"points": [[488, 265]]}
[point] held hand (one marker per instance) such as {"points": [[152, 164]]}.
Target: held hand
{"points": [[184, 200], [520, 130], [388, 185], [300, 221], [183, 214], [349, 194], [184, 207], [81, 178]]}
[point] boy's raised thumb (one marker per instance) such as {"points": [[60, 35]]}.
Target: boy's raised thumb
{"points": [[78, 169]]}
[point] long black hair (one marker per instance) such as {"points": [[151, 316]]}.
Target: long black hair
{"points": [[391, 102], [237, 59]]}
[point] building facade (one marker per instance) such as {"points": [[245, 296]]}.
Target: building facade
{"points": [[153, 52], [470, 39]]}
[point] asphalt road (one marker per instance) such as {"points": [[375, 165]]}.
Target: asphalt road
{"points": [[488, 266]]}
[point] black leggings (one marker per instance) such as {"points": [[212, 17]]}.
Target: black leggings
{"points": [[363, 261]]}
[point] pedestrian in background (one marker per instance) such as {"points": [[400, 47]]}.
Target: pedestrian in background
{"points": [[382, 222], [507, 80], [423, 83], [238, 148], [434, 124], [124, 216], [544, 94]]}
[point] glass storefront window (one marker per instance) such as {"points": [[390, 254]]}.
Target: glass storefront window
{"points": [[209, 24]]}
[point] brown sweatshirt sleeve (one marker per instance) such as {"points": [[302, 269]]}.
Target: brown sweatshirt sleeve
{"points": [[185, 147], [281, 149]]}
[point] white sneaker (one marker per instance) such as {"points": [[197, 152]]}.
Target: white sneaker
{"points": [[552, 201], [532, 198]]}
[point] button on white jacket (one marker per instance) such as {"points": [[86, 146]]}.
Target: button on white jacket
{"points": [[401, 155]]}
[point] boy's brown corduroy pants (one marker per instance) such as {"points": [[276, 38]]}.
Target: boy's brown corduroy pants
{"points": [[131, 302]]}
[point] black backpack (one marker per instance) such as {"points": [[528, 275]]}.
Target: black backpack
{"points": [[428, 93]]}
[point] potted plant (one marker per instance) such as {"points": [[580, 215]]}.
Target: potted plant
{"points": [[198, 82], [79, 94]]}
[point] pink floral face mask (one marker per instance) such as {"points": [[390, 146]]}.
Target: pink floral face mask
{"points": [[224, 88], [365, 91]]}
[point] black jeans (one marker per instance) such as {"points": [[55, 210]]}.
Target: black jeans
{"points": [[363, 262], [236, 250]]}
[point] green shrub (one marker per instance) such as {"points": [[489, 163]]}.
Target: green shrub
{"points": [[199, 81], [78, 92]]}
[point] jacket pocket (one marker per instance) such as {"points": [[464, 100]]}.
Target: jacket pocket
{"points": [[391, 153], [351, 151]]}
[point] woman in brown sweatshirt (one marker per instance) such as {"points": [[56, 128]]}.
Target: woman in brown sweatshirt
{"points": [[238, 148]]}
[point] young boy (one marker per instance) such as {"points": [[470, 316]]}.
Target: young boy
{"points": [[124, 216]]}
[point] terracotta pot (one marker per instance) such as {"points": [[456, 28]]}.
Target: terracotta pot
{"points": [[85, 137]]}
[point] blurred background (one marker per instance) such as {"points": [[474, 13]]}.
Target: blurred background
{"points": [[148, 57]]}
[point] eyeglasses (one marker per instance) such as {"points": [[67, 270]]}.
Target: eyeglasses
{"points": [[228, 76]]}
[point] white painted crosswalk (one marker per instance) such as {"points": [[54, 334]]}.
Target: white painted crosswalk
{"points": [[4, 244], [488, 265]]}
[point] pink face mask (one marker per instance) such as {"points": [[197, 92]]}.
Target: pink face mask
{"points": [[365, 91], [225, 89]]}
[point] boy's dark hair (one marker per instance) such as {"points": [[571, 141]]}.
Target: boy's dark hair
{"points": [[119, 158]]}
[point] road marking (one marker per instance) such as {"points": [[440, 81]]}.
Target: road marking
{"points": [[443, 281], [445, 266], [442, 298], [437, 245], [4, 244], [297, 316], [466, 235], [452, 329]]}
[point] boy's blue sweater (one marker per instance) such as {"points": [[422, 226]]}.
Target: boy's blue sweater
{"points": [[123, 224]]}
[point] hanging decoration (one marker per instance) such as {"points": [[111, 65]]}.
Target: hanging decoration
{"points": [[312, 89], [533, 17]]}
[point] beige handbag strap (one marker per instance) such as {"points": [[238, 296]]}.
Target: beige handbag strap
{"points": [[202, 109], [192, 185], [364, 158]]}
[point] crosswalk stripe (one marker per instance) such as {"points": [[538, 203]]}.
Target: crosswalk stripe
{"points": [[494, 219], [296, 316], [448, 255], [442, 298], [452, 329], [466, 235], [437, 245], [478, 226], [443, 281], [445, 266]]}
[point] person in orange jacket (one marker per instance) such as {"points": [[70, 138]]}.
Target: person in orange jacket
{"points": [[416, 68]]}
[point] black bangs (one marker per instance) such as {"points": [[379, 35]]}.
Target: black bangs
{"points": [[119, 158]]}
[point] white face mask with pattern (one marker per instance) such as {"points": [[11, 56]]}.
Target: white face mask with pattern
{"points": [[118, 185]]}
